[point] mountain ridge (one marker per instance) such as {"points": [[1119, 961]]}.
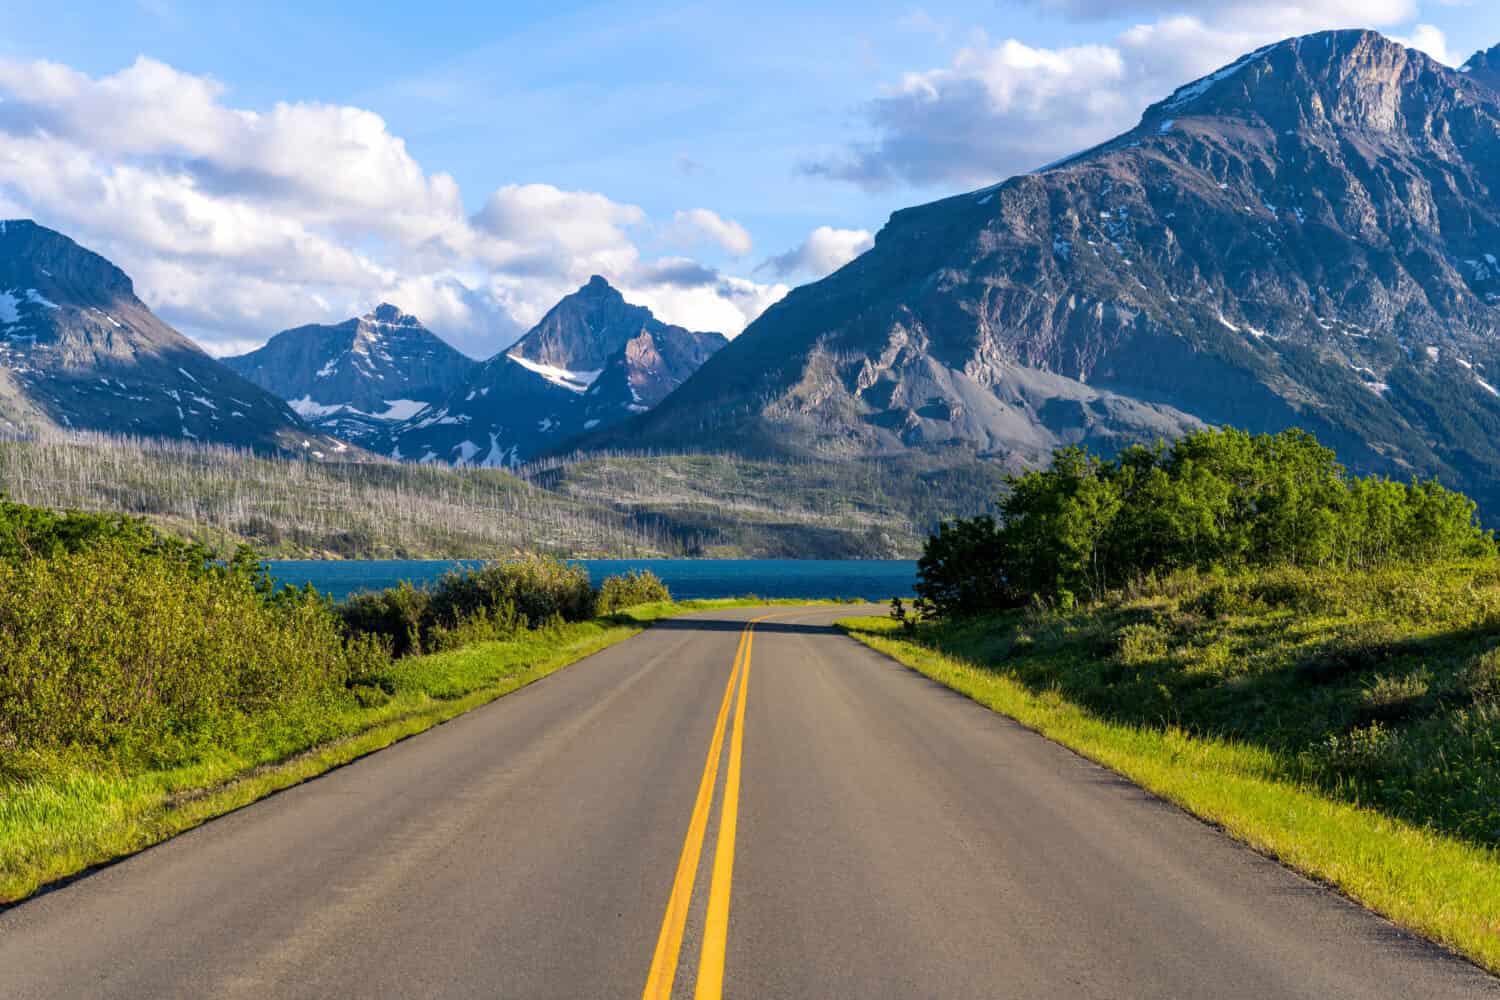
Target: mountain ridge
{"points": [[79, 350], [1302, 237], [355, 378], [592, 361]]}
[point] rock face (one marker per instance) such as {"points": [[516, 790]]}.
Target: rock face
{"points": [[593, 361], [1484, 68], [79, 351], [1310, 236], [357, 378]]}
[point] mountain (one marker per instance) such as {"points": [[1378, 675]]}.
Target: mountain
{"points": [[355, 378], [593, 361], [1484, 68], [1309, 236], [78, 350]]}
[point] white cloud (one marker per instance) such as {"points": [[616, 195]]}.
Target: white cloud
{"points": [[1274, 15], [1430, 39], [1003, 108], [726, 304], [825, 250], [236, 223], [691, 227]]}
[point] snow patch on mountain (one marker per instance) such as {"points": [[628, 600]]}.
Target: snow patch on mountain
{"points": [[575, 381]]}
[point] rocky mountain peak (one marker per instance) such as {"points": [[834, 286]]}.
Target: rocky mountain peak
{"points": [[390, 315], [34, 256], [1484, 68], [354, 378], [581, 332], [1331, 79], [593, 361]]}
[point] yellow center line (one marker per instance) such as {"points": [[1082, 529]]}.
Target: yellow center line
{"points": [[710, 979], [716, 928], [669, 941]]}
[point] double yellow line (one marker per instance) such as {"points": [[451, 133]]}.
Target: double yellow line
{"points": [[710, 981]]}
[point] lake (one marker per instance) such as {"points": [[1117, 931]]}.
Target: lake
{"points": [[868, 579]]}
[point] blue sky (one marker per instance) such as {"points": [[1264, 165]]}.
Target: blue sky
{"points": [[476, 161]]}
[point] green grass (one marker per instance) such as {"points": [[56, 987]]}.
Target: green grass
{"points": [[61, 814], [1344, 725]]}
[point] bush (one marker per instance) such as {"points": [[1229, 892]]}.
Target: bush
{"points": [[631, 589], [1481, 679], [37, 533], [399, 616], [537, 588], [113, 647], [963, 569], [495, 601], [485, 625]]}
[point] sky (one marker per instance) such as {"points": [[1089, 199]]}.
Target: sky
{"points": [[260, 166]]}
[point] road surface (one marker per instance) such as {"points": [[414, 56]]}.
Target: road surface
{"points": [[778, 814]]}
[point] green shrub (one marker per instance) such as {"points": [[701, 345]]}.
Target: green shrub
{"points": [[631, 589], [963, 570], [538, 588], [484, 625], [1394, 697], [1481, 679], [113, 648], [400, 615], [1218, 600], [37, 533], [1363, 755], [1140, 644]]}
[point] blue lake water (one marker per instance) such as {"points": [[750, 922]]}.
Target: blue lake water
{"points": [[869, 579]]}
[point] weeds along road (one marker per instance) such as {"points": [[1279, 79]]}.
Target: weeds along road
{"points": [[776, 813]]}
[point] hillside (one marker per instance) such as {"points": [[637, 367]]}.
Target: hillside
{"points": [[1304, 238], [724, 505], [602, 506], [294, 508], [79, 350]]}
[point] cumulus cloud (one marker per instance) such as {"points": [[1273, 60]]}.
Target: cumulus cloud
{"points": [[236, 223], [1430, 39], [692, 227], [825, 250], [1001, 108], [1280, 13], [725, 303]]}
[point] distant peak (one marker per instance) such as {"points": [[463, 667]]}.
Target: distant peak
{"points": [[387, 313], [1356, 73], [598, 287], [1484, 67]]}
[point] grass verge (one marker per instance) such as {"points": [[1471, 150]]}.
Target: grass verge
{"points": [[60, 815], [1438, 886]]}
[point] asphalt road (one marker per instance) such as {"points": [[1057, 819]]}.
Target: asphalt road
{"points": [[861, 832]]}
